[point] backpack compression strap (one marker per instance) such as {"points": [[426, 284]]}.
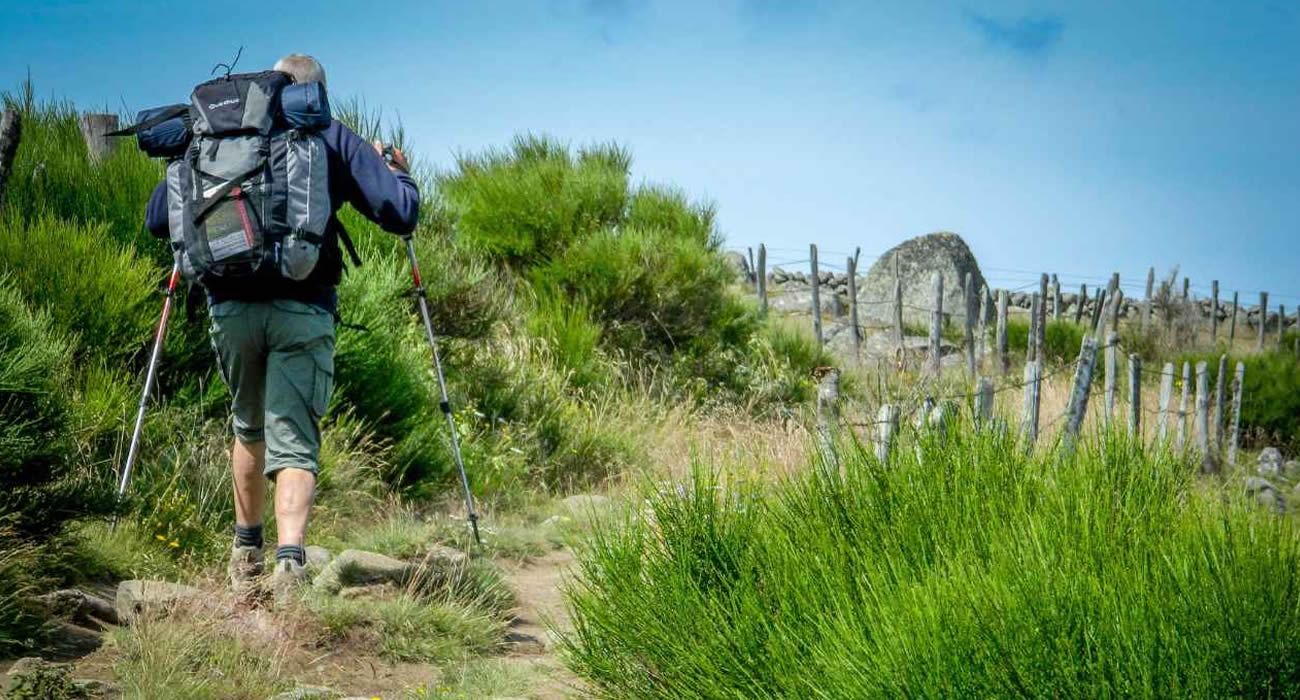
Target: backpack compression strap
{"points": [[210, 202], [152, 122]]}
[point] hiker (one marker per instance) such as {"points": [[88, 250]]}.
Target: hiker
{"points": [[274, 334]]}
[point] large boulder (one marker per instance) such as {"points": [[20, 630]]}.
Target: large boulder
{"points": [[137, 598], [1270, 461], [917, 259]]}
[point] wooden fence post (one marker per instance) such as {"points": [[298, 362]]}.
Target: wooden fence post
{"points": [[1166, 393], [898, 309], [1202, 408], [986, 304], [1187, 284], [753, 269], [1116, 304], [1031, 343], [1096, 310], [1078, 406], [1281, 323], [815, 282], [1080, 303], [1232, 322], [886, 426], [1234, 437], [1146, 305], [854, 324], [1042, 318], [1214, 312], [1263, 319], [1182, 409], [1029, 422], [1112, 348], [762, 279], [983, 402], [969, 293], [1220, 403], [1135, 396], [95, 129], [11, 130], [1004, 361], [936, 322], [1056, 298]]}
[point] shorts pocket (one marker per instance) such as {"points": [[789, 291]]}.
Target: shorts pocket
{"points": [[322, 389]]}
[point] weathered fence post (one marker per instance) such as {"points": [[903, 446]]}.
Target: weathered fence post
{"points": [[1056, 298], [1182, 409], [1112, 348], [1187, 284], [95, 129], [1238, 382], [11, 129], [1042, 294], [762, 279], [853, 310], [1263, 319], [1096, 310], [1029, 422], [1202, 408], [886, 426], [1004, 361], [1116, 305], [1146, 305], [1166, 393], [1078, 406], [1232, 322], [828, 409], [1220, 403], [986, 303], [898, 310], [815, 283], [983, 402], [969, 293], [1031, 343], [1081, 302], [936, 322], [1281, 323], [1214, 312], [1135, 396]]}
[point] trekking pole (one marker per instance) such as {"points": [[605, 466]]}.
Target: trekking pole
{"points": [[131, 453], [442, 384]]}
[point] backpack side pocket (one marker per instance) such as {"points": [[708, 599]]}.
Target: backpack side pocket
{"points": [[308, 205]]}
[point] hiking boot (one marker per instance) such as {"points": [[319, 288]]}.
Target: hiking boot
{"points": [[287, 577], [246, 565]]}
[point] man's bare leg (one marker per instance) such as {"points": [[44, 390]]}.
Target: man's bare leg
{"points": [[247, 460], [295, 490]]}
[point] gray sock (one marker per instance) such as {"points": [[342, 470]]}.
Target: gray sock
{"points": [[248, 535], [291, 551]]}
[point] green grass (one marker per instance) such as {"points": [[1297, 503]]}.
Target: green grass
{"points": [[1270, 408], [975, 572], [193, 660], [409, 628], [1061, 339]]}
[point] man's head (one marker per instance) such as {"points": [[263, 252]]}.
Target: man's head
{"points": [[302, 67]]}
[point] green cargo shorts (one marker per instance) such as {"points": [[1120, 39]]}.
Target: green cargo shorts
{"points": [[277, 358]]}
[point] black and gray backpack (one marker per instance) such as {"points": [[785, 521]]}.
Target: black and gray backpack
{"points": [[247, 176]]}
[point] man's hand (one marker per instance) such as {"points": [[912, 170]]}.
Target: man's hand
{"points": [[394, 157]]}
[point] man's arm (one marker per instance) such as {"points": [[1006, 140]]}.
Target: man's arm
{"points": [[155, 214], [385, 196]]}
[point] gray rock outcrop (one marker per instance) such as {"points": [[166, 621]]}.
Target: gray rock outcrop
{"points": [[1270, 462], [137, 597], [917, 259], [1266, 494]]}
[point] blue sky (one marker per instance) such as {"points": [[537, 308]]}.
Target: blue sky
{"points": [[1076, 138]]}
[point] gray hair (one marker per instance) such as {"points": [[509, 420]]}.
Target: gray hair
{"points": [[302, 67]]}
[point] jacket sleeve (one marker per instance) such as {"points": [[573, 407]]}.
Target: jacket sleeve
{"points": [[385, 197], [155, 214]]}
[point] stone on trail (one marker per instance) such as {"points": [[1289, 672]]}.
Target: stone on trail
{"points": [[318, 557], [307, 693], [1266, 494], [355, 567], [1270, 461], [79, 606], [138, 597]]}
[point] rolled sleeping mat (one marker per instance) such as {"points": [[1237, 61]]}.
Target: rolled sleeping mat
{"points": [[305, 106]]}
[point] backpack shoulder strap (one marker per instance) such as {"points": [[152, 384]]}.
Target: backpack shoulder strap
{"points": [[347, 244]]}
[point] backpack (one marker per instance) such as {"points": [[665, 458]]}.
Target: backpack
{"points": [[247, 176]]}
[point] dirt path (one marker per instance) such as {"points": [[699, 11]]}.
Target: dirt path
{"points": [[540, 603]]}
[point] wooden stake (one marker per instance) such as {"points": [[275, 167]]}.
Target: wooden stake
{"points": [[1097, 311], [854, 324], [815, 282], [936, 322], [898, 309], [762, 279], [1116, 304], [1234, 436], [1281, 323], [1056, 299], [1031, 343], [94, 129], [1166, 393], [1004, 360], [986, 303], [1232, 322], [1263, 319], [1182, 409], [969, 294], [983, 402], [1081, 302], [1029, 422], [1202, 408], [1112, 348], [1146, 306], [1214, 311], [1220, 403], [886, 426], [1078, 406], [1135, 396]]}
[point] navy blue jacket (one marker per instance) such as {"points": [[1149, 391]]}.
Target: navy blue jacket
{"points": [[358, 176]]}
